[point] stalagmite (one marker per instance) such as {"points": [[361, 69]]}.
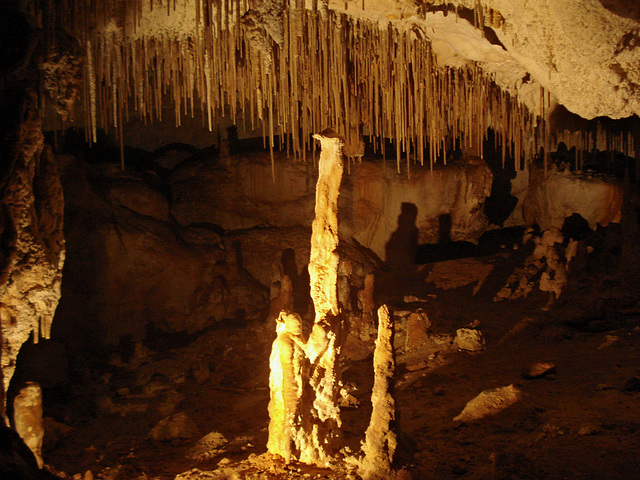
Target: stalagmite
{"points": [[305, 384], [321, 420], [27, 418], [380, 441], [286, 382]]}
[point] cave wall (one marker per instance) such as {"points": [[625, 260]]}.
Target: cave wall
{"points": [[31, 218]]}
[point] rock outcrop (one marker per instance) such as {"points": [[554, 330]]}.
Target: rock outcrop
{"points": [[554, 195], [236, 195], [33, 249]]}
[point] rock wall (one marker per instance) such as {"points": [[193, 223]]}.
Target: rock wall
{"points": [[130, 265], [240, 195], [32, 249], [149, 250], [556, 194], [448, 203]]}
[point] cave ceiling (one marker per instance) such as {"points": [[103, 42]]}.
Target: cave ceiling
{"points": [[422, 73]]}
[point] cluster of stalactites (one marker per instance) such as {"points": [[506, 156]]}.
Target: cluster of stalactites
{"points": [[599, 139], [328, 69]]}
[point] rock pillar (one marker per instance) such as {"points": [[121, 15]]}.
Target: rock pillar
{"points": [[305, 415], [380, 440]]}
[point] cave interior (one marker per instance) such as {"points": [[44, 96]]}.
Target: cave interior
{"points": [[355, 239]]}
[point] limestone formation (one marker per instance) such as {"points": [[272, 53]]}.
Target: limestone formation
{"points": [[380, 438], [289, 373], [322, 422], [176, 426], [33, 244], [27, 418], [489, 402], [469, 340], [377, 197], [305, 382], [371, 197], [554, 195]]}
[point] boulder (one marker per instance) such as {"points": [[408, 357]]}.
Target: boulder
{"points": [[178, 426], [489, 402], [469, 340]]}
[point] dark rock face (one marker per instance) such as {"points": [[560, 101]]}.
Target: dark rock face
{"points": [[31, 238], [130, 265], [157, 252]]}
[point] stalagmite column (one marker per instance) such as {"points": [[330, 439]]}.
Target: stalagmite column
{"points": [[380, 440], [321, 422], [27, 418], [323, 263], [304, 382], [286, 382]]}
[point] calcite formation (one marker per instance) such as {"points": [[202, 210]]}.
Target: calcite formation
{"points": [[33, 244], [500, 64], [489, 402], [289, 373], [27, 418], [321, 420], [380, 438], [305, 384]]}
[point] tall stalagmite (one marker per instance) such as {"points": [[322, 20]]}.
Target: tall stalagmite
{"points": [[322, 420], [304, 382], [380, 441]]}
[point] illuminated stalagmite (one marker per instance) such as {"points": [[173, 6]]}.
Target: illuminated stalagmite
{"points": [[287, 364], [322, 419], [305, 416], [380, 441]]}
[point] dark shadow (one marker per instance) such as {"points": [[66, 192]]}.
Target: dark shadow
{"points": [[575, 227], [444, 228], [500, 203], [402, 247], [623, 8], [299, 281]]}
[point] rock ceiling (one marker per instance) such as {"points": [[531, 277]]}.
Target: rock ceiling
{"points": [[423, 73]]}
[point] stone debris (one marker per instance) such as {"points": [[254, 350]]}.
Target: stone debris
{"points": [[547, 266], [417, 366], [178, 426], [589, 430], [540, 370], [347, 400], [416, 330], [414, 299], [208, 446], [469, 340], [201, 373], [608, 341], [458, 273], [489, 402]]}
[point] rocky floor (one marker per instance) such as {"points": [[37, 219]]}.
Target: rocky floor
{"points": [[198, 409]]}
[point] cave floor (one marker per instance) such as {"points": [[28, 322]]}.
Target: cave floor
{"points": [[579, 422]]}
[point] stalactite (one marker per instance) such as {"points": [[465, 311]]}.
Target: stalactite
{"points": [[330, 70]]}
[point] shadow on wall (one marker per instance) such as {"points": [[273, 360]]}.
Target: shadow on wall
{"points": [[402, 247], [299, 281], [446, 248]]}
